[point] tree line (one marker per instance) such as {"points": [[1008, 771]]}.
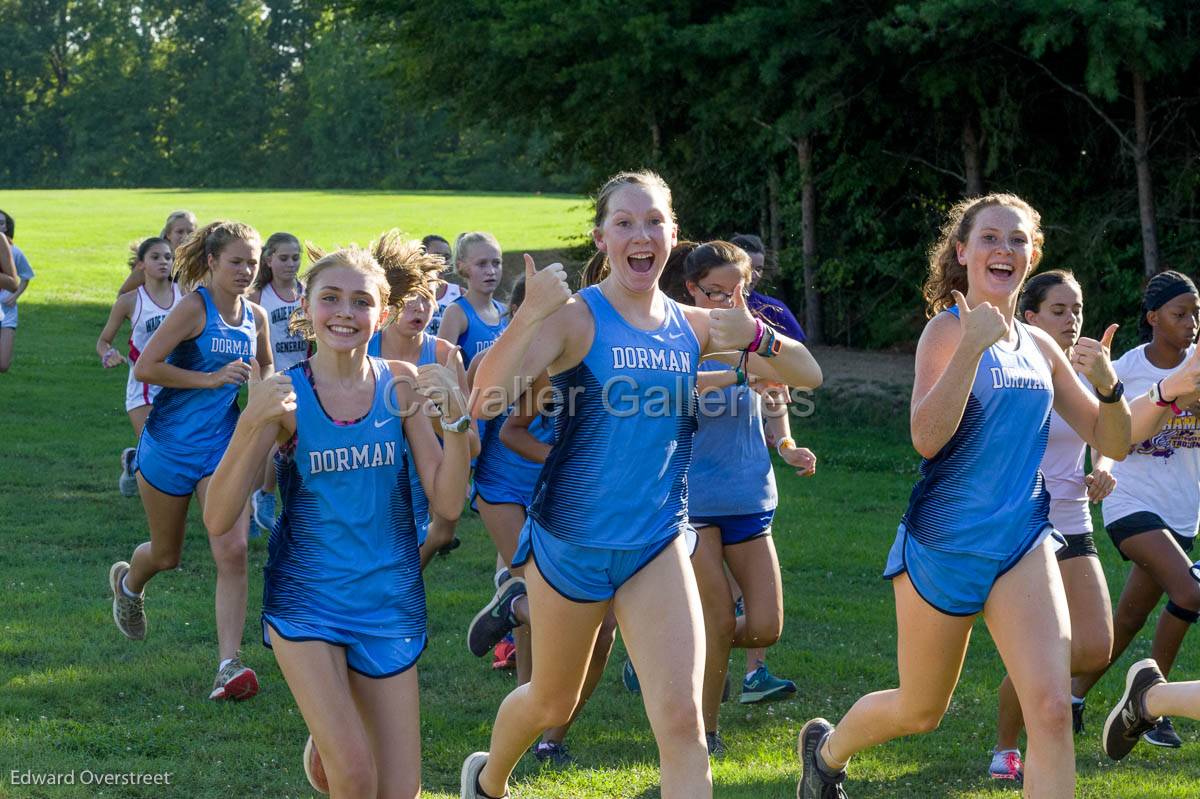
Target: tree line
{"points": [[840, 130]]}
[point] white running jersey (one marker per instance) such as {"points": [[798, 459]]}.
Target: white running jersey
{"points": [[453, 292], [1062, 468], [1160, 475], [287, 349], [147, 316]]}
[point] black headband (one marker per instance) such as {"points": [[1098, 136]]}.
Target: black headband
{"points": [[1166, 287]]}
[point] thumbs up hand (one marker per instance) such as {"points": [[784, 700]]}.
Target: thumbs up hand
{"points": [[1183, 385], [982, 326], [270, 399], [732, 328], [546, 290], [439, 383], [1091, 358]]}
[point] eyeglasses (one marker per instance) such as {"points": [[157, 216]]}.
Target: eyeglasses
{"points": [[718, 295]]}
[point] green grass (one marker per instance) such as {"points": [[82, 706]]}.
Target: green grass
{"points": [[76, 696]]}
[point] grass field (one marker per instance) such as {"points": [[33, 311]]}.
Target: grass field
{"points": [[75, 696]]}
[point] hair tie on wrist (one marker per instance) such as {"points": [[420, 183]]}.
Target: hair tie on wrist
{"points": [[758, 336]]}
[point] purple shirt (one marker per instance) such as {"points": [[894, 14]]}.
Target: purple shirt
{"points": [[777, 315]]}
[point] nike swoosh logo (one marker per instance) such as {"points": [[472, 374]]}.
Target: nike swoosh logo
{"points": [[379, 424], [674, 335]]}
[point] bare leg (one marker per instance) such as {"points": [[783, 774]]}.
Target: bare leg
{"points": [[137, 418], [1028, 618], [563, 640], [317, 675], [390, 710], [167, 517], [1174, 699], [708, 564], [756, 567], [1158, 554], [600, 653], [1091, 637], [7, 334], [660, 617], [930, 650], [1139, 597], [229, 554], [441, 533]]}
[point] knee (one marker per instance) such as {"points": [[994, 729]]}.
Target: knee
{"points": [[553, 711], [165, 561], [679, 721], [1048, 712], [1091, 657], [353, 773], [763, 630], [919, 717], [230, 554], [1187, 596]]}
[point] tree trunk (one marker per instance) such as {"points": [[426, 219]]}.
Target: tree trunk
{"points": [[775, 222], [971, 168], [1141, 160], [808, 233], [655, 141]]}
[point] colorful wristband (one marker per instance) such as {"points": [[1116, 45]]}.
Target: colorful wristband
{"points": [[779, 445], [758, 336], [740, 375]]}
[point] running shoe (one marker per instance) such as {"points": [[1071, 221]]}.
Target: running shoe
{"points": [[1007, 765], [504, 656], [314, 769], [762, 686], [496, 619], [630, 678], [502, 576], [234, 681], [454, 544], [129, 612], [1077, 715], [469, 778], [262, 506], [815, 781], [716, 744], [127, 483], [1128, 720], [1163, 735], [553, 752]]}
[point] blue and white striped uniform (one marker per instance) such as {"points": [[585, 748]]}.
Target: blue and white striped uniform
{"points": [[343, 564], [478, 335], [613, 493], [188, 428], [501, 475], [981, 503]]}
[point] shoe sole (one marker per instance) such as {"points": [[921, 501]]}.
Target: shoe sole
{"points": [[470, 773], [1115, 713], [241, 687], [487, 611], [763, 696], [309, 749], [115, 572]]}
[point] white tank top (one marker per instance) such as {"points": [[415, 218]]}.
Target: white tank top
{"points": [[147, 316], [287, 350], [1062, 468], [453, 292]]}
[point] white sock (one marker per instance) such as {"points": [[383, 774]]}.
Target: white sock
{"points": [[750, 674], [1075, 700], [125, 589], [224, 663]]}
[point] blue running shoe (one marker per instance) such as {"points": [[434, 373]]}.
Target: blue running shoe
{"points": [[761, 686], [630, 678], [262, 505]]}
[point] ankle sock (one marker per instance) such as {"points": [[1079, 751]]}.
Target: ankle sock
{"points": [[1075, 700], [826, 769], [125, 589]]}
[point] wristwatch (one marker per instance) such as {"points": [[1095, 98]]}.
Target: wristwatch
{"points": [[1156, 396], [1118, 391], [459, 425]]}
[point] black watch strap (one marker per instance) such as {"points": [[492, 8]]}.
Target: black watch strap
{"points": [[1117, 392]]}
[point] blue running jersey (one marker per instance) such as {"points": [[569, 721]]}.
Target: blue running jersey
{"points": [[501, 473], [731, 472], [617, 475], [983, 493], [479, 335], [344, 551], [419, 500], [202, 419]]}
